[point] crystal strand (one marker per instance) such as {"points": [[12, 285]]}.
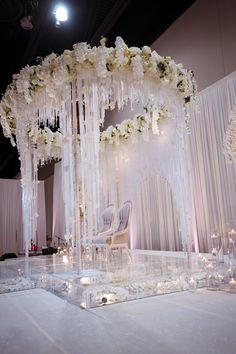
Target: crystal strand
{"points": [[80, 88], [87, 161], [76, 182], [67, 166]]}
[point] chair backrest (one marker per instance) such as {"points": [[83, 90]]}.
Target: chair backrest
{"points": [[123, 216], [107, 217]]}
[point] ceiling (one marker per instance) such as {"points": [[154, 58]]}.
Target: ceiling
{"points": [[137, 22]]}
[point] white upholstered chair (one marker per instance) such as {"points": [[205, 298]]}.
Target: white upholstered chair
{"points": [[106, 225], [107, 221], [119, 237]]}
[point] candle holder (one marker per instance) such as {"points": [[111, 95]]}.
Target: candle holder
{"points": [[231, 286], [230, 279], [217, 248], [231, 245], [213, 266], [212, 278]]}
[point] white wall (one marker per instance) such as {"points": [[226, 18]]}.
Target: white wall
{"points": [[115, 116], [204, 40]]}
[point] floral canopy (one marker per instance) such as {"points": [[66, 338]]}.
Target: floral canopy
{"points": [[48, 105], [56, 72]]}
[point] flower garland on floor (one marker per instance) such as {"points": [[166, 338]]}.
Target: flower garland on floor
{"points": [[49, 143], [56, 72], [230, 139]]}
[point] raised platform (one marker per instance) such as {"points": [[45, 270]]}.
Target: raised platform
{"points": [[121, 278]]}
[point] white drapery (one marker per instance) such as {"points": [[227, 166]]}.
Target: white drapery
{"points": [[58, 223], [11, 239], [213, 180], [157, 226], [150, 171]]}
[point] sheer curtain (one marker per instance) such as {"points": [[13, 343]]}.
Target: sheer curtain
{"points": [[156, 216], [11, 239], [58, 219], [212, 179], [148, 172], [48, 185], [10, 216]]}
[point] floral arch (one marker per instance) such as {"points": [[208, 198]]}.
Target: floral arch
{"points": [[71, 93]]}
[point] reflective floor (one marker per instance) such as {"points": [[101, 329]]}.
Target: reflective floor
{"points": [[101, 278]]}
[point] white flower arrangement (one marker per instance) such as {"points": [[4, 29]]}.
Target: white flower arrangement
{"points": [[57, 71], [139, 124], [48, 143], [230, 139]]}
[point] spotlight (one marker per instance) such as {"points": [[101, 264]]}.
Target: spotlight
{"points": [[61, 14]]}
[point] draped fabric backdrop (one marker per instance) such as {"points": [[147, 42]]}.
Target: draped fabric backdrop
{"points": [[48, 185], [149, 171], [58, 223], [212, 179], [159, 216], [11, 239]]}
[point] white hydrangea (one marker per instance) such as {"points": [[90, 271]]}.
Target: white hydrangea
{"points": [[101, 62], [230, 140], [81, 51], [120, 52]]}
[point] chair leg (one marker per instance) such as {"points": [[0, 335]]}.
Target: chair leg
{"points": [[130, 258]]}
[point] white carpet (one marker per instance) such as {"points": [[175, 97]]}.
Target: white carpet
{"points": [[35, 321]]}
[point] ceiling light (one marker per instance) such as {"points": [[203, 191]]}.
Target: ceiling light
{"points": [[61, 13]]}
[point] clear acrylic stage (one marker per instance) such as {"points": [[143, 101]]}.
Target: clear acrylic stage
{"points": [[122, 277]]}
